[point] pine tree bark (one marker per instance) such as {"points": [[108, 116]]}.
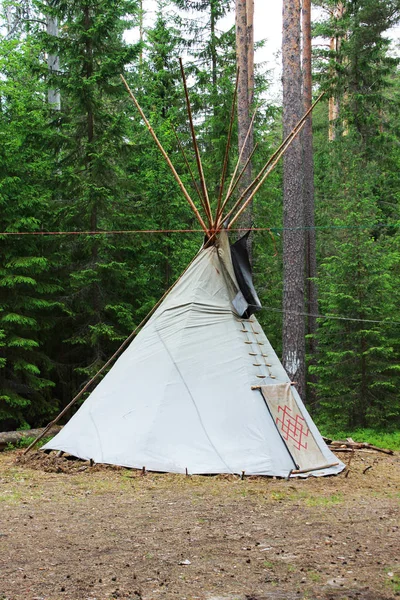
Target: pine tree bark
{"points": [[250, 49], [308, 170], [245, 63], [8, 13], [213, 23], [90, 125], [53, 64], [293, 207], [141, 36]]}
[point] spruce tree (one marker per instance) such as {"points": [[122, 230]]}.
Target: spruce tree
{"points": [[90, 187], [359, 61], [358, 351], [27, 283]]}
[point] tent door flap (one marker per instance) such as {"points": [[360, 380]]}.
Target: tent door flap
{"points": [[293, 428]]}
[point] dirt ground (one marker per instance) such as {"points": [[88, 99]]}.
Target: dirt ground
{"points": [[74, 532]]}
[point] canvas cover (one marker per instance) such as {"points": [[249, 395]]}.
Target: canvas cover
{"points": [[180, 396]]}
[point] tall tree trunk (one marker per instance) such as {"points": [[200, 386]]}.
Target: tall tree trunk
{"points": [[8, 13], [308, 170], [90, 124], [293, 207], [245, 63], [213, 23], [333, 101], [53, 64], [141, 37], [250, 49], [335, 46]]}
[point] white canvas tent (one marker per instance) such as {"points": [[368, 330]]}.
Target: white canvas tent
{"points": [[180, 397], [200, 389]]}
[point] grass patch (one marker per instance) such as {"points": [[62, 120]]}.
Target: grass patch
{"points": [[393, 581], [279, 496], [11, 497], [324, 500], [314, 576], [268, 564]]}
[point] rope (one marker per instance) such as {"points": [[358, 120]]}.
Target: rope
{"points": [[338, 318], [151, 231]]}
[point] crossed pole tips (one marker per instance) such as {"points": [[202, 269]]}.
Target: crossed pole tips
{"points": [[216, 223]]}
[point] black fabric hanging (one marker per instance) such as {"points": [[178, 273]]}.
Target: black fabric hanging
{"points": [[243, 272]]}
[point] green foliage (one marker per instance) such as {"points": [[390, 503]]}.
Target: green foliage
{"points": [[357, 368], [211, 70], [357, 186], [160, 204], [90, 184], [28, 287], [360, 66]]}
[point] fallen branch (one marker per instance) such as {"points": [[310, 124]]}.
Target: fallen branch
{"points": [[349, 444], [384, 450], [13, 437]]}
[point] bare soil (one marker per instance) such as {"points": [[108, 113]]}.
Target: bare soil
{"points": [[74, 532]]}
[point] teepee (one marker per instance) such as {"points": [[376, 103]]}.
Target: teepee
{"points": [[200, 389]]}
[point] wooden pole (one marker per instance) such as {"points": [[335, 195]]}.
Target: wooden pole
{"points": [[196, 148], [228, 146], [299, 471], [255, 190], [270, 165], [167, 159], [280, 150], [108, 363]]}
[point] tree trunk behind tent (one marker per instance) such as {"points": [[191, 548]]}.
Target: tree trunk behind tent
{"points": [[308, 166], [245, 63], [141, 35], [293, 209], [9, 16], [213, 48], [250, 50], [53, 63]]}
